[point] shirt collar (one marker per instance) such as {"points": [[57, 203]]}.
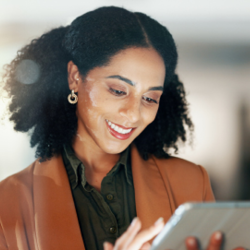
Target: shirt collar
{"points": [[76, 169]]}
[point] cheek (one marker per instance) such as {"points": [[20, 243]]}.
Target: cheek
{"points": [[87, 106], [93, 104], [89, 96], [148, 115], [93, 98]]}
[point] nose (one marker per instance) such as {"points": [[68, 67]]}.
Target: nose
{"points": [[131, 110]]}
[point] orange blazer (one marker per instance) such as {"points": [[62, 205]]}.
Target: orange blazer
{"points": [[37, 210]]}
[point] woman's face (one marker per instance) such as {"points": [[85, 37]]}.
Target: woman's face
{"points": [[118, 101]]}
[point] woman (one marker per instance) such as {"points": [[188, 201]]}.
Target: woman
{"points": [[103, 105]]}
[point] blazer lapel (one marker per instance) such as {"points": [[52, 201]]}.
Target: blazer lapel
{"points": [[152, 197], [56, 220]]}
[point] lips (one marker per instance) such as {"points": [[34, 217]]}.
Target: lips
{"points": [[119, 131]]}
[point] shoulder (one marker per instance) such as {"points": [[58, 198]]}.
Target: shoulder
{"points": [[16, 192], [22, 177], [185, 178], [15, 185], [173, 167], [179, 168], [181, 171]]}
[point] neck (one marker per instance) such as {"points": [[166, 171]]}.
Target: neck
{"points": [[97, 162]]}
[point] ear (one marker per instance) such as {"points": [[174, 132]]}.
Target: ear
{"points": [[74, 78]]}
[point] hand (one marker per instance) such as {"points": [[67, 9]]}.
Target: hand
{"points": [[214, 243], [132, 239]]}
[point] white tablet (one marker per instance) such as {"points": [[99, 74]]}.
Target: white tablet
{"points": [[201, 220]]}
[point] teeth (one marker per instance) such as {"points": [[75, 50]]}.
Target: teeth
{"points": [[118, 129]]}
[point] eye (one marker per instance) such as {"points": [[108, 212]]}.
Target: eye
{"points": [[117, 92], [149, 100]]}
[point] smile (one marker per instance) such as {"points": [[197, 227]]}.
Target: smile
{"points": [[118, 129], [119, 132]]}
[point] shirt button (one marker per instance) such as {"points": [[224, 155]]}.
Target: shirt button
{"points": [[110, 197], [112, 230]]}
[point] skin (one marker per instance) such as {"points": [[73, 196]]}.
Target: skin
{"points": [[126, 92], [134, 239]]}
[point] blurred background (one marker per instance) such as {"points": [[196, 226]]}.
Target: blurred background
{"points": [[213, 39]]}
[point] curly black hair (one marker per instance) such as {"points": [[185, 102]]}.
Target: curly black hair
{"points": [[40, 106]]}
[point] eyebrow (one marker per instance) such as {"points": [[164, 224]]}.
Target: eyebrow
{"points": [[156, 88], [123, 79], [133, 83]]}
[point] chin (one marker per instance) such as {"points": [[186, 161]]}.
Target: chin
{"points": [[115, 148]]}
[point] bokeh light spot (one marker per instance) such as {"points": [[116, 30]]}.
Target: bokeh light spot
{"points": [[27, 72]]}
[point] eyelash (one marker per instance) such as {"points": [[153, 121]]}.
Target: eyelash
{"points": [[117, 92], [149, 100], [121, 93]]}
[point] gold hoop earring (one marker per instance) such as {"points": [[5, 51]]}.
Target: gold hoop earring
{"points": [[72, 97]]}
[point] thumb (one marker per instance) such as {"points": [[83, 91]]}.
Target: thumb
{"points": [[107, 246]]}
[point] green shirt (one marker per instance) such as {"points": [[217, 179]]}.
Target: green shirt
{"points": [[106, 215]]}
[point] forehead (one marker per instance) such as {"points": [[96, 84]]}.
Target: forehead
{"points": [[140, 65]]}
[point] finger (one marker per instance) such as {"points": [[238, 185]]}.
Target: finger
{"points": [[191, 243], [107, 246], [127, 237], [147, 234], [215, 241], [145, 246]]}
